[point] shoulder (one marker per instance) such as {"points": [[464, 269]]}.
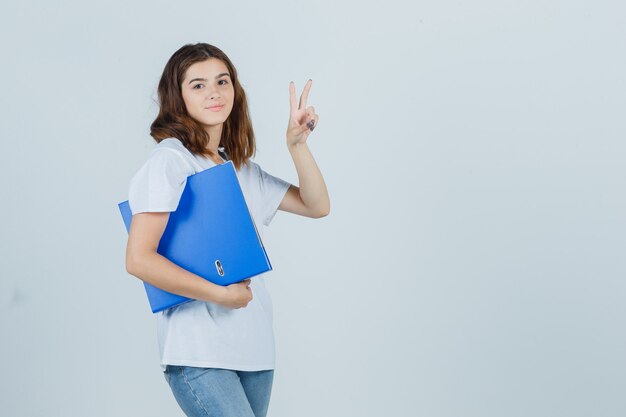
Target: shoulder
{"points": [[170, 143], [255, 169], [171, 151], [251, 166], [249, 169], [170, 146], [264, 178], [166, 162]]}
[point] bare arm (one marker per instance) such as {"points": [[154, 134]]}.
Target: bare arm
{"points": [[310, 198], [143, 261]]}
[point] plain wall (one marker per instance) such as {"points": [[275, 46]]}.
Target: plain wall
{"points": [[472, 263]]}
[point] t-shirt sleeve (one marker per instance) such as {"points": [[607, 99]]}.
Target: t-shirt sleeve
{"points": [[159, 183], [273, 190]]}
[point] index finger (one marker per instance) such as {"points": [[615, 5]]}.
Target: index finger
{"points": [[305, 94]]}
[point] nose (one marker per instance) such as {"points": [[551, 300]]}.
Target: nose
{"points": [[212, 93]]}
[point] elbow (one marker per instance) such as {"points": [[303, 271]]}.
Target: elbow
{"points": [[322, 213], [132, 265], [138, 262]]}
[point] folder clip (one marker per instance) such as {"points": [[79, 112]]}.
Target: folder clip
{"points": [[218, 266]]}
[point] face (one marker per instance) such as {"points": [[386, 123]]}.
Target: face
{"points": [[208, 84]]}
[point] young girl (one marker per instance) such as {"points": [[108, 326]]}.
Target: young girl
{"points": [[217, 352]]}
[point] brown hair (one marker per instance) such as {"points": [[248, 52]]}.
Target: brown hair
{"points": [[173, 120]]}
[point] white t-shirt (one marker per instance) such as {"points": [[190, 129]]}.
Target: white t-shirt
{"points": [[199, 333]]}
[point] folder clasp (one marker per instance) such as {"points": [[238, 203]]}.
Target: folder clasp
{"points": [[218, 266]]}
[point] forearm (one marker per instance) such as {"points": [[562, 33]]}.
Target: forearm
{"points": [[160, 272], [313, 190]]}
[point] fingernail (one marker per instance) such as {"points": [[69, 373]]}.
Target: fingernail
{"points": [[311, 124]]}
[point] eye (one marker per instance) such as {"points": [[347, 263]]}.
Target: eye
{"points": [[225, 82], [194, 87]]}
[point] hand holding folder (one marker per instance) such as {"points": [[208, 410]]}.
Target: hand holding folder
{"points": [[211, 234]]}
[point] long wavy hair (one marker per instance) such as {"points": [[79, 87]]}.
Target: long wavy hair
{"points": [[173, 120]]}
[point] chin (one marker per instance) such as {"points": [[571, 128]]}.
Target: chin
{"points": [[216, 121]]}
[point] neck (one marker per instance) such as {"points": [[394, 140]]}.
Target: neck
{"points": [[215, 134]]}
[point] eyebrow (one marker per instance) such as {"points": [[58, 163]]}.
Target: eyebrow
{"points": [[206, 79]]}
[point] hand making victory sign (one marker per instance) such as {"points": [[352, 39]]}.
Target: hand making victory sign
{"points": [[302, 119]]}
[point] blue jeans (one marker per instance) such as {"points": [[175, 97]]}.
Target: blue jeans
{"points": [[215, 392]]}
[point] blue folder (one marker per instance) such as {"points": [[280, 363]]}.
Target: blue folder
{"points": [[211, 234]]}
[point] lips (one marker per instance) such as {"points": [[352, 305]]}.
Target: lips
{"points": [[215, 108]]}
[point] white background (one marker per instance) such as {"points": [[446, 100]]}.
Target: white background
{"points": [[472, 263]]}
